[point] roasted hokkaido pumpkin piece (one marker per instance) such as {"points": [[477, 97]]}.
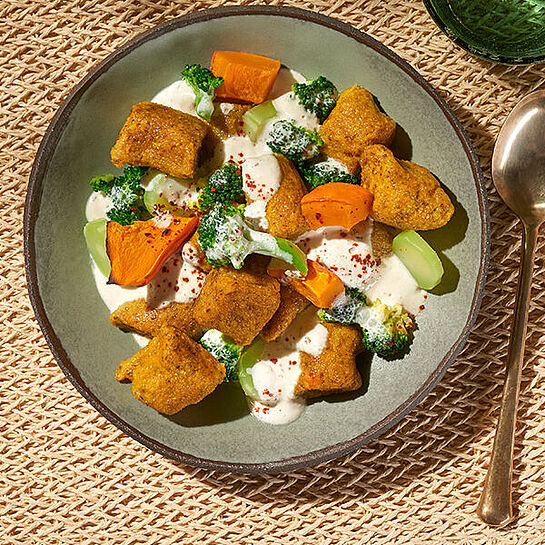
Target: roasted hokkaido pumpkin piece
{"points": [[320, 286], [406, 195], [283, 211], [172, 372], [336, 204], [334, 370], [136, 317], [237, 302], [246, 77], [160, 137], [291, 304], [139, 250], [355, 123]]}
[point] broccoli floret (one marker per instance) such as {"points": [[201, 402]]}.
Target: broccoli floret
{"points": [[345, 308], [295, 143], [203, 82], [223, 186], [318, 96], [126, 193], [224, 350], [387, 331], [325, 173], [226, 239]]}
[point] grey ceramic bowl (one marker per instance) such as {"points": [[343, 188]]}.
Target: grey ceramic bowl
{"points": [[218, 433]]}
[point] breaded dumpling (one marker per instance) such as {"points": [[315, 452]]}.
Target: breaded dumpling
{"points": [[227, 119], [160, 137], [334, 370], [382, 240], [283, 210], [237, 303], [136, 317], [173, 371], [355, 123], [406, 195], [291, 304]]}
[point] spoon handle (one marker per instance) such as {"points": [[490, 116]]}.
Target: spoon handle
{"points": [[495, 507]]}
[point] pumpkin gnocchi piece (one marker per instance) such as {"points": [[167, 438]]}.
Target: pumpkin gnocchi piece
{"points": [[406, 195], [355, 123], [172, 372], [334, 370], [161, 137]]}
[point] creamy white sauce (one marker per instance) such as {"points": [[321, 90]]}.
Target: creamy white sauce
{"points": [[177, 281], [261, 177], [275, 375], [97, 206], [288, 107], [181, 194], [395, 284], [283, 82], [348, 254], [178, 95]]}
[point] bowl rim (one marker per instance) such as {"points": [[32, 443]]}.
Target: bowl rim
{"points": [[32, 207], [480, 52]]}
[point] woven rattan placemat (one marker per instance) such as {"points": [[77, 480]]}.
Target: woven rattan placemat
{"points": [[68, 476]]}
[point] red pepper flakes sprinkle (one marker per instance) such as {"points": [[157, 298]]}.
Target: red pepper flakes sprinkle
{"points": [[421, 307]]}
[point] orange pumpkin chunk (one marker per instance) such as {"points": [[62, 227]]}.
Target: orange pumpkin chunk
{"points": [[139, 250]]}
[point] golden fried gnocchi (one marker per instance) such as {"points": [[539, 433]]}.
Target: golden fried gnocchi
{"points": [[160, 137], [355, 123], [382, 240], [227, 119], [406, 195], [136, 317], [172, 372], [291, 304], [334, 370], [237, 302], [283, 211]]}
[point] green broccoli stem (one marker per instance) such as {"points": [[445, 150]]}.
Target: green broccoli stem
{"points": [[269, 245]]}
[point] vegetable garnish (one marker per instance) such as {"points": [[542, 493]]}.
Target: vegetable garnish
{"points": [[325, 173], [226, 239], [246, 77], [255, 119], [318, 96], [336, 204], [223, 186], [320, 286], [420, 259], [138, 251], [126, 193], [295, 143], [203, 82], [224, 350], [95, 237]]}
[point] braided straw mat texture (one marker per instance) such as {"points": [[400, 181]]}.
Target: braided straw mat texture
{"points": [[70, 477]]}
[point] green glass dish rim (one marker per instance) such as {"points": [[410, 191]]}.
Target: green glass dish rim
{"points": [[479, 52]]}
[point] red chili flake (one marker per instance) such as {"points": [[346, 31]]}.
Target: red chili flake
{"points": [[185, 279], [425, 296], [421, 307], [274, 360], [176, 288]]}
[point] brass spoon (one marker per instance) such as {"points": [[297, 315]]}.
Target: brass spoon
{"points": [[518, 172]]}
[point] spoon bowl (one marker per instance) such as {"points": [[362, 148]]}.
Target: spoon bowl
{"points": [[518, 163]]}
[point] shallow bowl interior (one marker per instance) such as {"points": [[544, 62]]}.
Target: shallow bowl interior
{"points": [[218, 432]]}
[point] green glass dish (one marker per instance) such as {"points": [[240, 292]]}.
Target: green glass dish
{"points": [[504, 31]]}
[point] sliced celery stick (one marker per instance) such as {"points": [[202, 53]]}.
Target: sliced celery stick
{"points": [[255, 119], [95, 237], [298, 257], [248, 359], [419, 258]]}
